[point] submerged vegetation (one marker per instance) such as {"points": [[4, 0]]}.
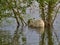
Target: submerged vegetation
{"points": [[16, 9]]}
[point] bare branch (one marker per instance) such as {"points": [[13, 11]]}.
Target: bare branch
{"points": [[56, 15]]}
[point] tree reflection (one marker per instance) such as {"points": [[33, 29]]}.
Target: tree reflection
{"points": [[49, 37], [18, 37]]}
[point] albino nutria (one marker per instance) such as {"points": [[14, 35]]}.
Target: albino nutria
{"points": [[38, 23]]}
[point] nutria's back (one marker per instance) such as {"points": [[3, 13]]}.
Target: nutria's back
{"points": [[36, 23]]}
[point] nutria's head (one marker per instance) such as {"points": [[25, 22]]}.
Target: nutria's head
{"points": [[30, 20]]}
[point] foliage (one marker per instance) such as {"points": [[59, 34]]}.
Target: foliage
{"points": [[49, 10]]}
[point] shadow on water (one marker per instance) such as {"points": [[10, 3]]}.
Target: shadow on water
{"points": [[18, 38]]}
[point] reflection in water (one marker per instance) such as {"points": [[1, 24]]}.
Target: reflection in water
{"points": [[18, 37], [38, 30], [31, 36], [36, 33], [28, 36], [48, 37], [5, 37]]}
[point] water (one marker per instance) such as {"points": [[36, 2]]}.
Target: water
{"points": [[33, 36]]}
